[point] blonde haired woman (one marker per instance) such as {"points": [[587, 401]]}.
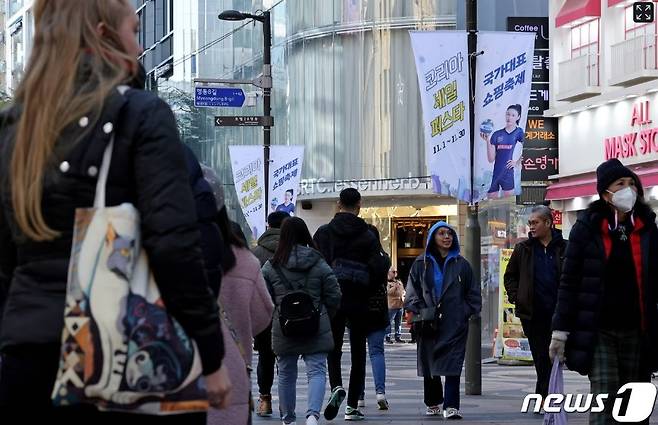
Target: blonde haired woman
{"points": [[52, 140]]}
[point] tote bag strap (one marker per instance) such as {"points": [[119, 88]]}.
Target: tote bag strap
{"points": [[101, 184]]}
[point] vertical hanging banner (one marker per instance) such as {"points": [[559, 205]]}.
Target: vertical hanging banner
{"points": [[285, 175], [249, 179], [442, 68], [502, 95]]}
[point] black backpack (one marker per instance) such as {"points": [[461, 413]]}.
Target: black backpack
{"points": [[298, 316]]}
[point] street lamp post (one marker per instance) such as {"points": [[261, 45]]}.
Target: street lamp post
{"points": [[265, 84]]}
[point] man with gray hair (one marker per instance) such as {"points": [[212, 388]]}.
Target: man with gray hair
{"points": [[531, 280]]}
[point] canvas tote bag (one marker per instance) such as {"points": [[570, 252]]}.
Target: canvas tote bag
{"points": [[121, 350]]}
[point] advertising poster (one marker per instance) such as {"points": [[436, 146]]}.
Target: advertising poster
{"points": [[249, 179], [285, 175], [540, 149], [442, 68], [502, 96], [515, 345]]}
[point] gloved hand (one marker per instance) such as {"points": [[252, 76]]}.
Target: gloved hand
{"points": [[558, 342]]}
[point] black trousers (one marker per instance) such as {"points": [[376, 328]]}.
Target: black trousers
{"points": [[334, 357], [27, 376], [266, 361], [539, 332], [358, 339]]}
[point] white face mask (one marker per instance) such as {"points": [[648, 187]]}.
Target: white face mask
{"points": [[624, 199]]}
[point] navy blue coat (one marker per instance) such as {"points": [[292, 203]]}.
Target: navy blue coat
{"points": [[443, 354]]}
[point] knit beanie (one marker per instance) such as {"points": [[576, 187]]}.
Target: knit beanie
{"points": [[608, 172]]}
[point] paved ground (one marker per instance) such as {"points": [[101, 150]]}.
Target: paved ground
{"points": [[503, 390]]}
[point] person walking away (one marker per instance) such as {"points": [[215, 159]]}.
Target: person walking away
{"points": [[246, 310], [355, 254], [532, 280], [610, 267], [267, 244], [297, 275], [442, 295], [52, 141], [395, 292], [377, 319]]}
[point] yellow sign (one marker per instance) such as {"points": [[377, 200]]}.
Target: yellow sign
{"points": [[510, 331]]}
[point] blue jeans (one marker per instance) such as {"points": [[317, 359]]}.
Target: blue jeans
{"points": [[397, 315], [316, 374], [377, 361]]}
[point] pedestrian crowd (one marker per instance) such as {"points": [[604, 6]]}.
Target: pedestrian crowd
{"points": [[123, 280]]}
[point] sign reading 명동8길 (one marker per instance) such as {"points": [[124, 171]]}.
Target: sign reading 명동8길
{"points": [[442, 68], [218, 97]]}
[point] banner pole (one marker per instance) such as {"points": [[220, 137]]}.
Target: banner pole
{"points": [[473, 362]]}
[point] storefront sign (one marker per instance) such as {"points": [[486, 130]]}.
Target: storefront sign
{"points": [[322, 186], [442, 69], [540, 66], [641, 141], [540, 149], [536, 25], [502, 95]]}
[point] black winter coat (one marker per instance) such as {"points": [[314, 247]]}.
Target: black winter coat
{"points": [[520, 274], [148, 170], [212, 242], [349, 237], [580, 297]]}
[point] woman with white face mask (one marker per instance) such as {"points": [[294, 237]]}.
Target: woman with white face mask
{"points": [[606, 322]]}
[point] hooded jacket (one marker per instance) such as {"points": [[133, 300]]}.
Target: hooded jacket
{"points": [[519, 275], [349, 237], [455, 294], [267, 244], [305, 269], [581, 292]]}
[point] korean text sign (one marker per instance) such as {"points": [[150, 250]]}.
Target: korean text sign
{"points": [[285, 175], [249, 179], [442, 68]]}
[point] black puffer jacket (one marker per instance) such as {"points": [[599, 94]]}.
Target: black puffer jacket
{"points": [[148, 169], [580, 297], [212, 241], [349, 237]]}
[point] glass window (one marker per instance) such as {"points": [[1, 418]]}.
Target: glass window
{"points": [[585, 38], [15, 6], [17, 56]]}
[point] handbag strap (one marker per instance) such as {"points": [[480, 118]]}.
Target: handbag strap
{"points": [[234, 334], [101, 184], [284, 280]]}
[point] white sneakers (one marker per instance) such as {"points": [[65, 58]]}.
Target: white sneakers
{"points": [[452, 413], [311, 420], [382, 403], [433, 411]]}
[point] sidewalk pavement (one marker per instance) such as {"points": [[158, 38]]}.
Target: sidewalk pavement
{"points": [[503, 391]]}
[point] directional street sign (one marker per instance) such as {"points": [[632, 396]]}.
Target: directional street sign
{"points": [[244, 121], [216, 97]]}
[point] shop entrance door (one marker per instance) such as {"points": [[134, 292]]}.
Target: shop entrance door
{"points": [[409, 238]]}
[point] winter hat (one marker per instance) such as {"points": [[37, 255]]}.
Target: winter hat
{"points": [[608, 172]]}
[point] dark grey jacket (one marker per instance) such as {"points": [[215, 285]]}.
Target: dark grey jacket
{"points": [[306, 268]]}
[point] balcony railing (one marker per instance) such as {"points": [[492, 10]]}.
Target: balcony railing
{"points": [[579, 77], [634, 60]]}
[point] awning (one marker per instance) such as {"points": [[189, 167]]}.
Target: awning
{"points": [[586, 186], [626, 2], [574, 10]]}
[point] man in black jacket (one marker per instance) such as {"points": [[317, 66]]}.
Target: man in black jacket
{"points": [[264, 251], [532, 280], [350, 247]]}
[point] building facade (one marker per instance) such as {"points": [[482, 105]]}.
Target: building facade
{"points": [[606, 84]]}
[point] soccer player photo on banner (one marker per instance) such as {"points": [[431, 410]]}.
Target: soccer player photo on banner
{"points": [[249, 179], [442, 68], [285, 175], [502, 95]]}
